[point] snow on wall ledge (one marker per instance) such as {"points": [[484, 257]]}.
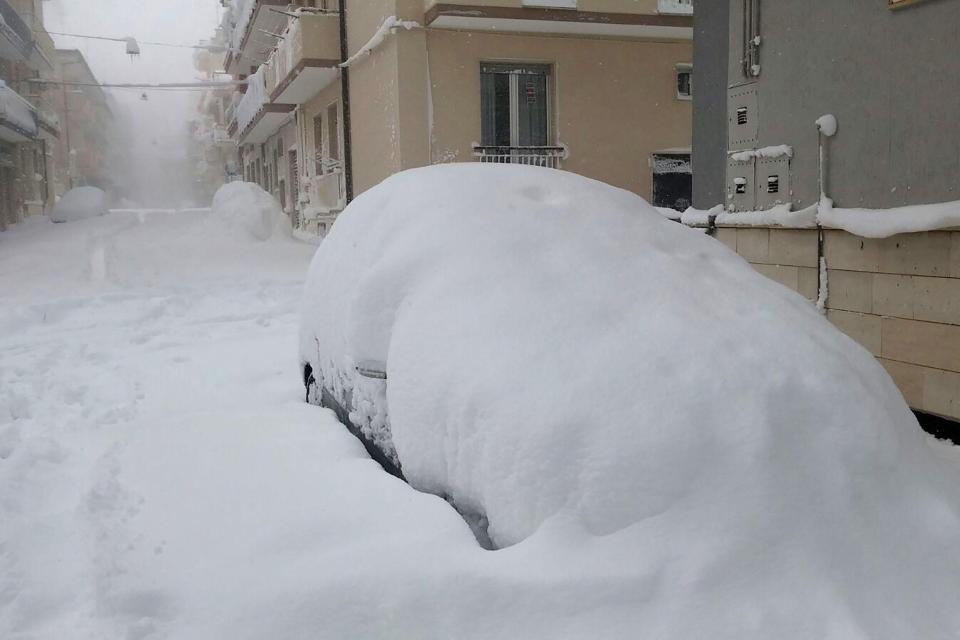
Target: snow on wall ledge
{"points": [[883, 223], [778, 151], [867, 223], [566, 361]]}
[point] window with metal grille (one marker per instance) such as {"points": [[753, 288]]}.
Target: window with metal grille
{"points": [[318, 143], [742, 115], [773, 184], [294, 179], [333, 131], [515, 105], [684, 82]]}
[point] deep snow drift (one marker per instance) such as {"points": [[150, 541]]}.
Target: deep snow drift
{"points": [[80, 203], [563, 359], [246, 209]]}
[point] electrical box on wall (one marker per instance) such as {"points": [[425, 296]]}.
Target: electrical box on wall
{"points": [[741, 185], [773, 182], [743, 117]]}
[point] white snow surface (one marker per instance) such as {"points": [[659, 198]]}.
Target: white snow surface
{"points": [[388, 26], [80, 203], [781, 215], [253, 99], [246, 209], [15, 109], [697, 217], [867, 223], [883, 223], [603, 383], [827, 125], [670, 214], [776, 151], [161, 477]]}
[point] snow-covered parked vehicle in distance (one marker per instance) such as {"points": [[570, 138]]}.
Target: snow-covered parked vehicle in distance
{"points": [[550, 353], [80, 203]]}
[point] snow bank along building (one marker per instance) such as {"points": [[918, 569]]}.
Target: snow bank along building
{"points": [[889, 74], [342, 94], [29, 128]]}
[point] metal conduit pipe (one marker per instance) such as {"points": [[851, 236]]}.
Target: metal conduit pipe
{"points": [[345, 98]]}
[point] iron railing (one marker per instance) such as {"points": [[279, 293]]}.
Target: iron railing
{"points": [[16, 112], [12, 21], [548, 157]]}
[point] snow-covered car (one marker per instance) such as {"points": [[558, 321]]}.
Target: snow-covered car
{"points": [[80, 203], [540, 348]]}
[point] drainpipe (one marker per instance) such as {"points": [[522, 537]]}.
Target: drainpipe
{"points": [[66, 131], [826, 128], [345, 98]]}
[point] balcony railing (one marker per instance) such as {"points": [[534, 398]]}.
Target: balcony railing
{"points": [[11, 22], [252, 101], [17, 113], [324, 193], [548, 157], [305, 60], [247, 24]]}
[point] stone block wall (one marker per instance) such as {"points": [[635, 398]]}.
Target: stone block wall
{"points": [[899, 297]]}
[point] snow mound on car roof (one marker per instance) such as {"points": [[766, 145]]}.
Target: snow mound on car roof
{"points": [[80, 203], [246, 208], [557, 352]]}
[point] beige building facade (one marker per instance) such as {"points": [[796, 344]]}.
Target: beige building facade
{"points": [[597, 87], [899, 297], [30, 131]]}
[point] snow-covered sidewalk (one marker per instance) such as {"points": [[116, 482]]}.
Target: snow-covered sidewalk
{"points": [[161, 477]]}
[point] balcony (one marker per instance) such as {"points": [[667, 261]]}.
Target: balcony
{"points": [[306, 60], [660, 19], [16, 37], [548, 157], [256, 117], [49, 122], [251, 42], [18, 118]]}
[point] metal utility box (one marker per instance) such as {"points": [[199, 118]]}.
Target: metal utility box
{"points": [[772, 182], [743, 117], [741, 185]]}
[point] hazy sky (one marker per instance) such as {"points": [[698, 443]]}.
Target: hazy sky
{"points": [[159, 124]]}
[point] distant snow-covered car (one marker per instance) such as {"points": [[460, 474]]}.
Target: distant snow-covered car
{"points": [[549, 352], [80, 203]]}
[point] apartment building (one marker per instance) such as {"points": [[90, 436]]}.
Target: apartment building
{"points": [[343, 94], [887, 71], [29, 130], [87, 119], [213, 152]]}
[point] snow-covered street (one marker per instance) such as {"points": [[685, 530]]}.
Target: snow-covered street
{"points": [[508, 319], [161, 476]]}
